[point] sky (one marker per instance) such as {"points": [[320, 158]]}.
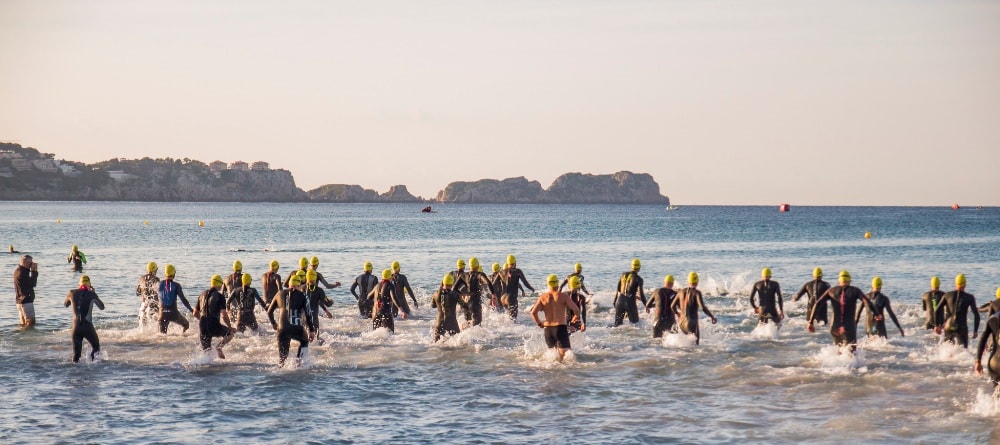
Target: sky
{"points": [[723, 102]]}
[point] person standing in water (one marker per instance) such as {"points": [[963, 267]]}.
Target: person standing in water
{"points": [[294, 308], [402, 286], [496, 288], [629, 289], [476, 283], [169, 292], [958, 303], [234, 280], [459, 273], [991, 333], [317, 300], [77, 258], [241, 303], [687, 303], [363, 286], [446, 300], [662, 300], [771, 307], [25, 280], [577, 322], [211, 306], [271, 282], [555, 304], [991, 307], [146, 290], [878, 307], [577, 272], [303, 266], [383, 300], [815, 289], [512, 283], [314, 265], [83, 299], [931, 300], [844, 299]]}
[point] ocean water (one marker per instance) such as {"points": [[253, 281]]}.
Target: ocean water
{"points": [[497, 383]]}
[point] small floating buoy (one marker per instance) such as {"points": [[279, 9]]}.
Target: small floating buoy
{"points": [[955, 207], [146, 223], [868, 235], [58, 221], [201, 223], [784, 208]]}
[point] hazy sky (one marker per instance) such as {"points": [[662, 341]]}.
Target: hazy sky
{"points": [[762, 102]]}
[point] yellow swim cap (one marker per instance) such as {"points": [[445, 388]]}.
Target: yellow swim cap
{"points": [[574, 282], [766, 272], [274, 265], [998, 293], [84, 280], [473, 263], [636, 264], [693, 278], [246, 279], [817, 273], [216, 280], [511, 260], [170, 270], [845, 276], [151, 267], [578, 268], [314, 261], [237, 266], [553, 281], [368, 266], [311, 276], [877, 283], [960, 279], [301, 274], [448, 280], [395, 266], [294, 280], [303, 262], [460, 264], [935, 282], [386, 274], [75, 248], [496, 267], [668, 280]]}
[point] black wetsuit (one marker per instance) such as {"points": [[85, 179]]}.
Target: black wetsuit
{"points": [[930, 301], [662, 300], [476, 283], [814, 289], [294, 311], [211, 305], [565, 282], [580, 300], [271, 285], [512, 282], [844, 302], [316, 297], [383, 297], [241, 303], [77, 259], [25, 280], [629, 288], [878, 306], [497, 289], [83, 301], [771, 304], [687, 302], [956, 326], [402, 286], [990, 308], [233, 281], [363, 286], [447, 322], [146, 290], [169, 293], [991, 333]]}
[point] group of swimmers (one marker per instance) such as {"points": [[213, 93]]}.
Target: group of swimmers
{"points": [[228, 305]]}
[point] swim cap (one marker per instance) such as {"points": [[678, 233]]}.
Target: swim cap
{"points": [[766, 272], [496, 267], [636, 265], [170, 270], [301, 274], [817, 273], [237, 266], [295, 280], [574, 282], [314, 261], [151, 267], [75, 248], [998, 293], [84, 280], [877, 283], [448, 280], [511, 260], [473, 263], [386, 274], [216, 280], [693, 278], [395, 266], [845, 276], [274, 265], [935, 282], [668, 280], [303, 262], [368, 266], [960, 279], [246, 279], [460, 264], [553, 281], [578, 268], [311, 276]]}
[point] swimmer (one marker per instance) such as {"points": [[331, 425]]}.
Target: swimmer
{"points": [[317, 299], [459, 274], [10, 249], [303, 266], [169, 291], [445, 301], [513, 277], [241, 303], [148, 293], [314, 265], [577, 322], [686, 305], [815, 289], [294, 309], [25, 280], [77, 258], [476, 283], [271, 282], [83, 299], [363, 286], [662, 300], [383, 300], [931, 300], [496, 288], [577, 272], [878, 307], [991, 307], [629, 289], [771, 306], [991, 333], [402, 288], [555, 304], [958, 304], [211, 306], [234, 280], [844, 301]]}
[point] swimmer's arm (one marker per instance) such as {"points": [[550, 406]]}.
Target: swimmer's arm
{"points": [[800, 293], [701, 302], [526, 283], [983, 339], [180, 294], [892, 315], [69, 299], [781, 303], [354, 290], [857, 313], [407, 288], [256, 295], [270, 310], [535, 309], [226, 319], [642, 293], [975, 315], [753, 298], [563, 284]]}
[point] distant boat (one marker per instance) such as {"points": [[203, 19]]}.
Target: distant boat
{"points": [[426, 210], [672, 207]]}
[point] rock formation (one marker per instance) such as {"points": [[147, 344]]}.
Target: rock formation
{"points": [[571, 188]]}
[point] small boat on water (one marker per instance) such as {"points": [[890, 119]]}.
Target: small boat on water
{"points": [[672, 207], [426, 210]]}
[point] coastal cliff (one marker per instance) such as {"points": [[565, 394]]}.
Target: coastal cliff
{"points": [[571, 188]]}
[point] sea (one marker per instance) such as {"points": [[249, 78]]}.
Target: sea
{"points": [[497, 382]]}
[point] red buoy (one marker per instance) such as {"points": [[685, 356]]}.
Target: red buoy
{"points": [[784, 208], [955, 207]]}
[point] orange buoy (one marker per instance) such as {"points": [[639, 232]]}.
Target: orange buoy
{"points": [[955, 207], [784, 208]]}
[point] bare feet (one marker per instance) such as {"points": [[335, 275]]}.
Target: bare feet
{"points": [[219, 352]]}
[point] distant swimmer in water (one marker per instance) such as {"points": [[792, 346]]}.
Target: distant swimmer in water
{"points": [[931, 300], [577, 272], [294, 308], [844, 300], [577, 322], [211, 307], [476, 284], [686, 304], [234, 280], [958, 304], [169, 292], [363, 286], [383, 300], [513, 277], [662, 301], [991, 333], [25, 280], [991, 307], [446, 300], [148, 292], [555, 304], [241, 303], [771, 307], [77, 258], [877, 308], [82, 300], [317, 300], [815, 289], [314, 265], [271, 282], [10, 249], [629, 289], [402, 288]]}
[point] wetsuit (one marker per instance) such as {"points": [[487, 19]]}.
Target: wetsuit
{"points": [[991, 333], [629, 288], [241, 303], [662, 299], [233, 281], [565, 282], [990, 308], [497, 287], [512, 282], [77, 259], [875, 320], [687, 303], [363, 286], [579, 299], [383, 298], [771, 306], [931, 300], [294, 310], [844, 302], [169, 293], [814, 289], [446, 300], [402, 287], [211, 305], [288, 279], [316, 296], [147, 291], [83, 300], [25, 280], [476, 283], [271, 285], [956, 326]]}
